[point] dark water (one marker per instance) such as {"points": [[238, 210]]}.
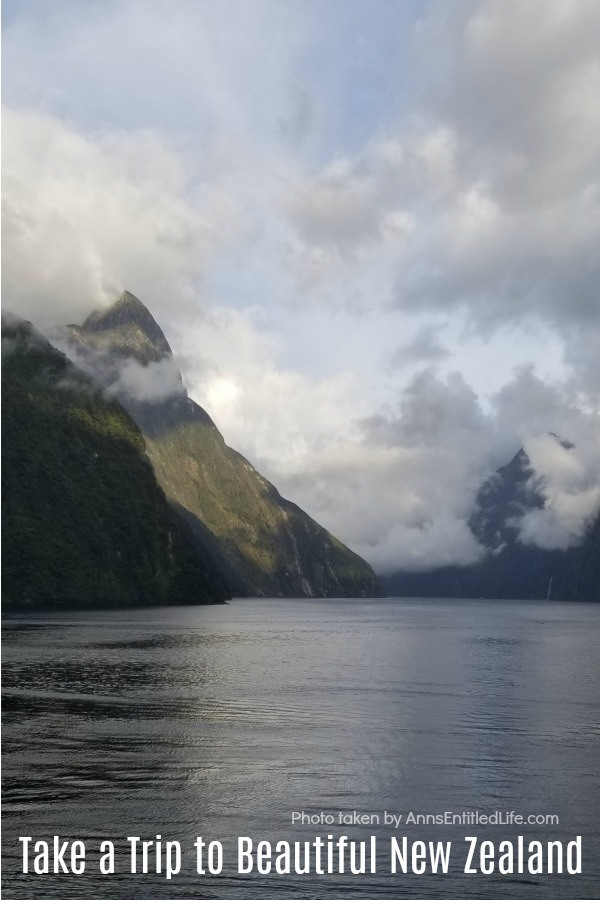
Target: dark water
{"points": [[222, 721]]}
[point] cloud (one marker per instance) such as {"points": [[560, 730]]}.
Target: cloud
{"points": [[569, 481], [123, 377], [392, 485], [154, 382], [517, 234], [83, 217], [518, 87], [493, 180], [437, 450], [296, 125], [445, 540], [424, 347], [348, 219], [233, 368], [18, 335]]}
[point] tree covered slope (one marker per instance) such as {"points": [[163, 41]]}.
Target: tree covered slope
{"points": [[85, 523]]}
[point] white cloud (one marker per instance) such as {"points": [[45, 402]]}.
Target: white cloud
{"points": [[85, 217], [232, 367], [154, 382], [568, 478], [126, 378]]}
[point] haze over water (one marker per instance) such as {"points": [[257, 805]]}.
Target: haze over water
{"points": [[222, 721]]}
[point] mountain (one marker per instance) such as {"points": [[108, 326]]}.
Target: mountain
{"points": [[264, 544], [85, 523], [510, 569]]}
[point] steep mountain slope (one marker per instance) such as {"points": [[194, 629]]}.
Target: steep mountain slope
{"points": [[265, 544], [510, 569], [84, 520]]}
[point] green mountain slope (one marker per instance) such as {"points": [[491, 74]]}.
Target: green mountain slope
{"points": [[84, 521], [265, 544]]}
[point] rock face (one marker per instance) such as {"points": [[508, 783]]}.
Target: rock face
{"points": [[264, 544], [510, 570], [85, 523]]}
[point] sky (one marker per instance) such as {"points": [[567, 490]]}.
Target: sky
{"points": [[370, 232]]}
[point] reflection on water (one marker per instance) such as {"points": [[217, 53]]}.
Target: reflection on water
{"points": [[221, 721]]}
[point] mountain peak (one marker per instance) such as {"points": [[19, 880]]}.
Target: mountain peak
{"points": [[128, 313]]}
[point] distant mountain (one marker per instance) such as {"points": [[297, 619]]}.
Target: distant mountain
{"points": [[510, 569], [264, 544], [85, 523]]}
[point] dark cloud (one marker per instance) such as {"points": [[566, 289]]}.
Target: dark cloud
{"points": [[424, 347]]}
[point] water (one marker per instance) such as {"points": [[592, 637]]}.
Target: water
{"points": [[222, 721]]}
